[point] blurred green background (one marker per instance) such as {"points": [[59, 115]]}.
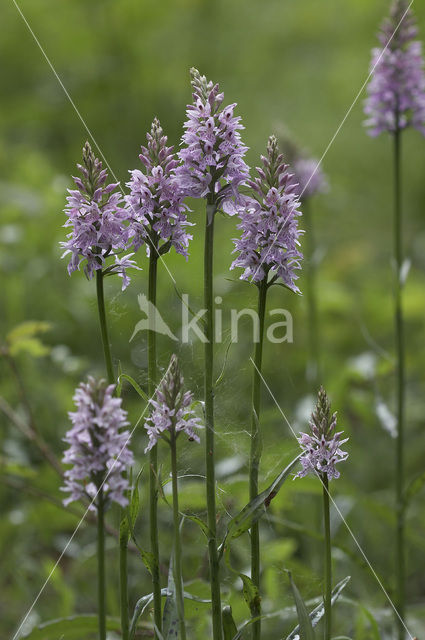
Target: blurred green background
{"points": [[297, 64]]}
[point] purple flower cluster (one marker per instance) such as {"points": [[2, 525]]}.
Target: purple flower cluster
{"points": [[269, 223], [171, 409], [212, 154], [155, 202], [310, 177], [396, 92], [321, 447], [98, 220], [98, 446]]}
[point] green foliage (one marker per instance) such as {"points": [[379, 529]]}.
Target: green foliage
{"points": [[304, 622], [24, 338], [296, 63], [71, 627]]}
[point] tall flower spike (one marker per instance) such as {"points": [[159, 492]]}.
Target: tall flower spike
{"points": [[212, 154], [269, 223], [310, 177], [171, 408], [155, 202], [98, 445], [321, 447], [98, 221], [308, 172], [396, 92]]}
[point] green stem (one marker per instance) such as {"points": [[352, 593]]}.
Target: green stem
{"points": [[123, 545], [124, 586], [255, 453], [178, 576], [328, 560], [153, 455], [399, 339], [313, 370], [209, 420], [101, 565], [104, 326]]}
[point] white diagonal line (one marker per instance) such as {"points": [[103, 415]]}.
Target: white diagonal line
{"points": [[372, 71], [77, 111], [350, 531], [15, 637]]}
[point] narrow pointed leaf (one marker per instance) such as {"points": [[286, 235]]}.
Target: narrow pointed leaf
{"points": [[230, 629], [318, 612], [118, 387], [257, 507], [201, 524], [145, 601], [135, 385], [414, 487], [305, 626], [170, 617], [250, 593]]}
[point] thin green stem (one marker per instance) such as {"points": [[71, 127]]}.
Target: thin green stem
{"points": [[153, 455], [328, 560], [101, 565], [255, 453], [400, 386], [123, 544], [104, 326], [178, 576], [124, 587], [313, 369], [209, 420]]}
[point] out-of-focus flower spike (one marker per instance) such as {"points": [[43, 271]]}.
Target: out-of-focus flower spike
{"points": [[396, 92]]}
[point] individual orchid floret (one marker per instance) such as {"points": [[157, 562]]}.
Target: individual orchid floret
{"points": [[322, 446], [269, 224], [171, 409], [98, 222], [155, 203], [396, 92], [98, 446], [212, 154]]}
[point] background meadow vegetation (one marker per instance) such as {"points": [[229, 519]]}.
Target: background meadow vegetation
{"points": [[297, 64]]}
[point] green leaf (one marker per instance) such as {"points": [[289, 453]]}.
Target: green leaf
{"points": [[134, 384], [148, 559], [223, 369], [257, 507], [373, 624], [318, 612], [414, 487], [24, 339], [250, 593], [230, 629], [70, 628], [170, 616], [145, 601], [133, 508], [305, 625], [128, 521], [201, 524], [118, 388]]}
